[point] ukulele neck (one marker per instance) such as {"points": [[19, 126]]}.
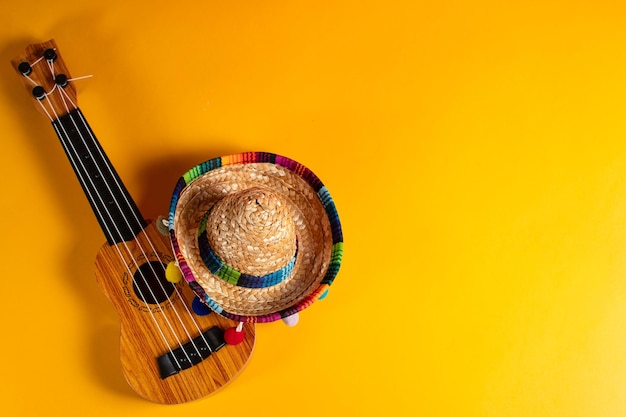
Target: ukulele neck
{"points": [[112, 205]]}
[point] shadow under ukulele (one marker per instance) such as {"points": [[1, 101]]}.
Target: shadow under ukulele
{"points": [[170, 352]]}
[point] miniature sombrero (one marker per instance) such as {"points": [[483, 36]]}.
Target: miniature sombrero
{"points": [[256, 235]]}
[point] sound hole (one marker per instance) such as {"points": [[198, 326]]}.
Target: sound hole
{"points": [[150, 285]]}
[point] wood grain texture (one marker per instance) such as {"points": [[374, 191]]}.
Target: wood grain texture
{"points": [[146, 327]]}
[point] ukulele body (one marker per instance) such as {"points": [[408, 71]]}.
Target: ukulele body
{"points": [[146, 326]]}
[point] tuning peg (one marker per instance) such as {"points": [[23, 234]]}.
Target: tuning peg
{"points": [[25, 68], [50, 55], [61, 80], [39, 92]]}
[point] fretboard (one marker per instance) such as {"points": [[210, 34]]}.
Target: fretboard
{"points": [[113, 206]]}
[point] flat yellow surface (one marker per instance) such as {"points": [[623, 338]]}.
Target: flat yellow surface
{"points": [[476, 151]]}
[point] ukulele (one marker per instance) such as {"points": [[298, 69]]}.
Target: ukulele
{"points": [[172, 347]]}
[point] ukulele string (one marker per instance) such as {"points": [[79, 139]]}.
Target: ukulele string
{"points": [[65, 139], [74, 156], [150, 244], [38, 60], [51, 66], [65, 97], [65, 136], [49, 93], [78, 78], [33, 82], [143, 231], [45, 110]]}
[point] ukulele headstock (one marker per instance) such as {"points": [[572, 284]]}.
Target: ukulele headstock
{"points": [[47, 79]]}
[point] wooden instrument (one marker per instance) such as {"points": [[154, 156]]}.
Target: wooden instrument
{"points": [[171, 350]]}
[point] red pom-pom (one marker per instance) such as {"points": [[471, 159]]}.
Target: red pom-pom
{"points": [[233, 337]]}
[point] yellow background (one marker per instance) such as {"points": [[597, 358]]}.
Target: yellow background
{"points": [[476, 153]]}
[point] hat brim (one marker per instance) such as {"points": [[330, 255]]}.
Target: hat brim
{"points": [[314, 214]]}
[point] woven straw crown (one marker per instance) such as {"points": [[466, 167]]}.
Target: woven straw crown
{"points": [[256, 235]]}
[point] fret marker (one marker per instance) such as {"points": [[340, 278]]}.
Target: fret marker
{"points": [[61, 80], [39, 93], [25, 68], [50, 55]]}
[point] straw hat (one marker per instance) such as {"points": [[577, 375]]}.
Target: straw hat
{"points": [[256, 235]]}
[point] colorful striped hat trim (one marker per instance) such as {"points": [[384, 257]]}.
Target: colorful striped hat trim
{"points": [[227, 290]]}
